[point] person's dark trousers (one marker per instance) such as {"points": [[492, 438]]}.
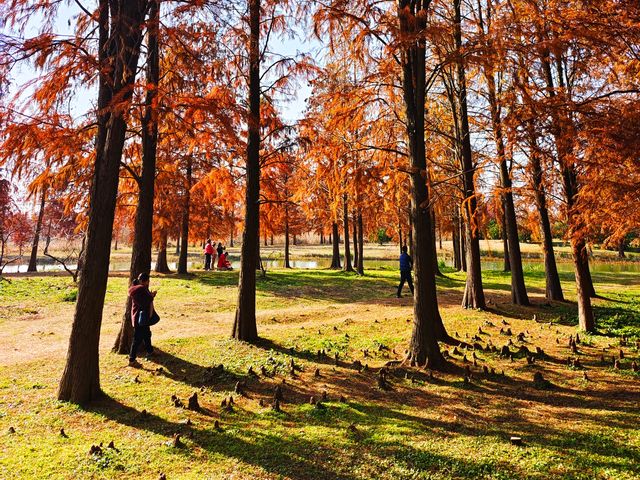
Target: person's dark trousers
{"points": [[405, 276], [140, 335], [207, 261]]}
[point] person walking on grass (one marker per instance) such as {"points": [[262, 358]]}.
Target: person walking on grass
{"points": [[208, 253], [143, 316], [406, 264]]}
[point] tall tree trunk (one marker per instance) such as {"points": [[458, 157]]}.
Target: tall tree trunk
{"points": [[553, 290], [161, 260], [584, 285], [510, 226], [360, 266], [455, 240], [400, 238], [286, 236], [621, 245], [473, 292], [356, 253], [410, 234], [518, 290], [178, 245], [505, 242], [244, 326], [33, 259], [184, 230], [348, 267], [423, 347], [463, 242], [119, 48], [335, 240], [434, 248], [143, 227]]}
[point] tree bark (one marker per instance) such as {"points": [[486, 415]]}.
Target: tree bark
{"points": [[335, 240], [360, 266], [143, 227], [286, 236], [356, 253], [463, 243], [553, 290], [33, 259], [621, 245], [505, 243], [455, 240], [473, 292], [244, 326], [423, 347], [348, 267], [184, 230], [434, 247], [118, 52], [584, 285], [161, 260]]}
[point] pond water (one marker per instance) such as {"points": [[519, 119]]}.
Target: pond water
{"points": [[324, 262]]}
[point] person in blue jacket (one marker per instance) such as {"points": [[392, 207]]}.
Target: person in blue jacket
{"points": [[406, 264]]}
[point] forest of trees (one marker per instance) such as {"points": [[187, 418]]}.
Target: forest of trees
{"points": [[459, 118]]}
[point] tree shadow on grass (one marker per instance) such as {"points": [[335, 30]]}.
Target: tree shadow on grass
{"points": [[278, 455], [184, 371]]}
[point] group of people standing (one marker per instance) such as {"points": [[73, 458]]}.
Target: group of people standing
{"points": [[210, 257]]}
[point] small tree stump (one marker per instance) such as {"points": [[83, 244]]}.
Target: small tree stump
{"points": [[277, 393], [621, 354], [325, 396], [382, 381], [505, 352], [485, 369], [616, 364], [312, 400], [276, 406], [193, 402], [577, 341], [177, 443], [517, 441], [634, 366], [239, 388], [261, 403], [95, 450], [539, 381], [63, 434], [316, 373]]}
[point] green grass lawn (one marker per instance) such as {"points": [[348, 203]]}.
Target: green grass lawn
{"points": [[418, 427]]}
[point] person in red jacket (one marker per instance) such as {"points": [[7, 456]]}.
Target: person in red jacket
{"points": [[208, 253], [143, 316]]}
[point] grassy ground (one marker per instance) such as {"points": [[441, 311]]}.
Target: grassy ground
{"points": [[419, 427]]}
